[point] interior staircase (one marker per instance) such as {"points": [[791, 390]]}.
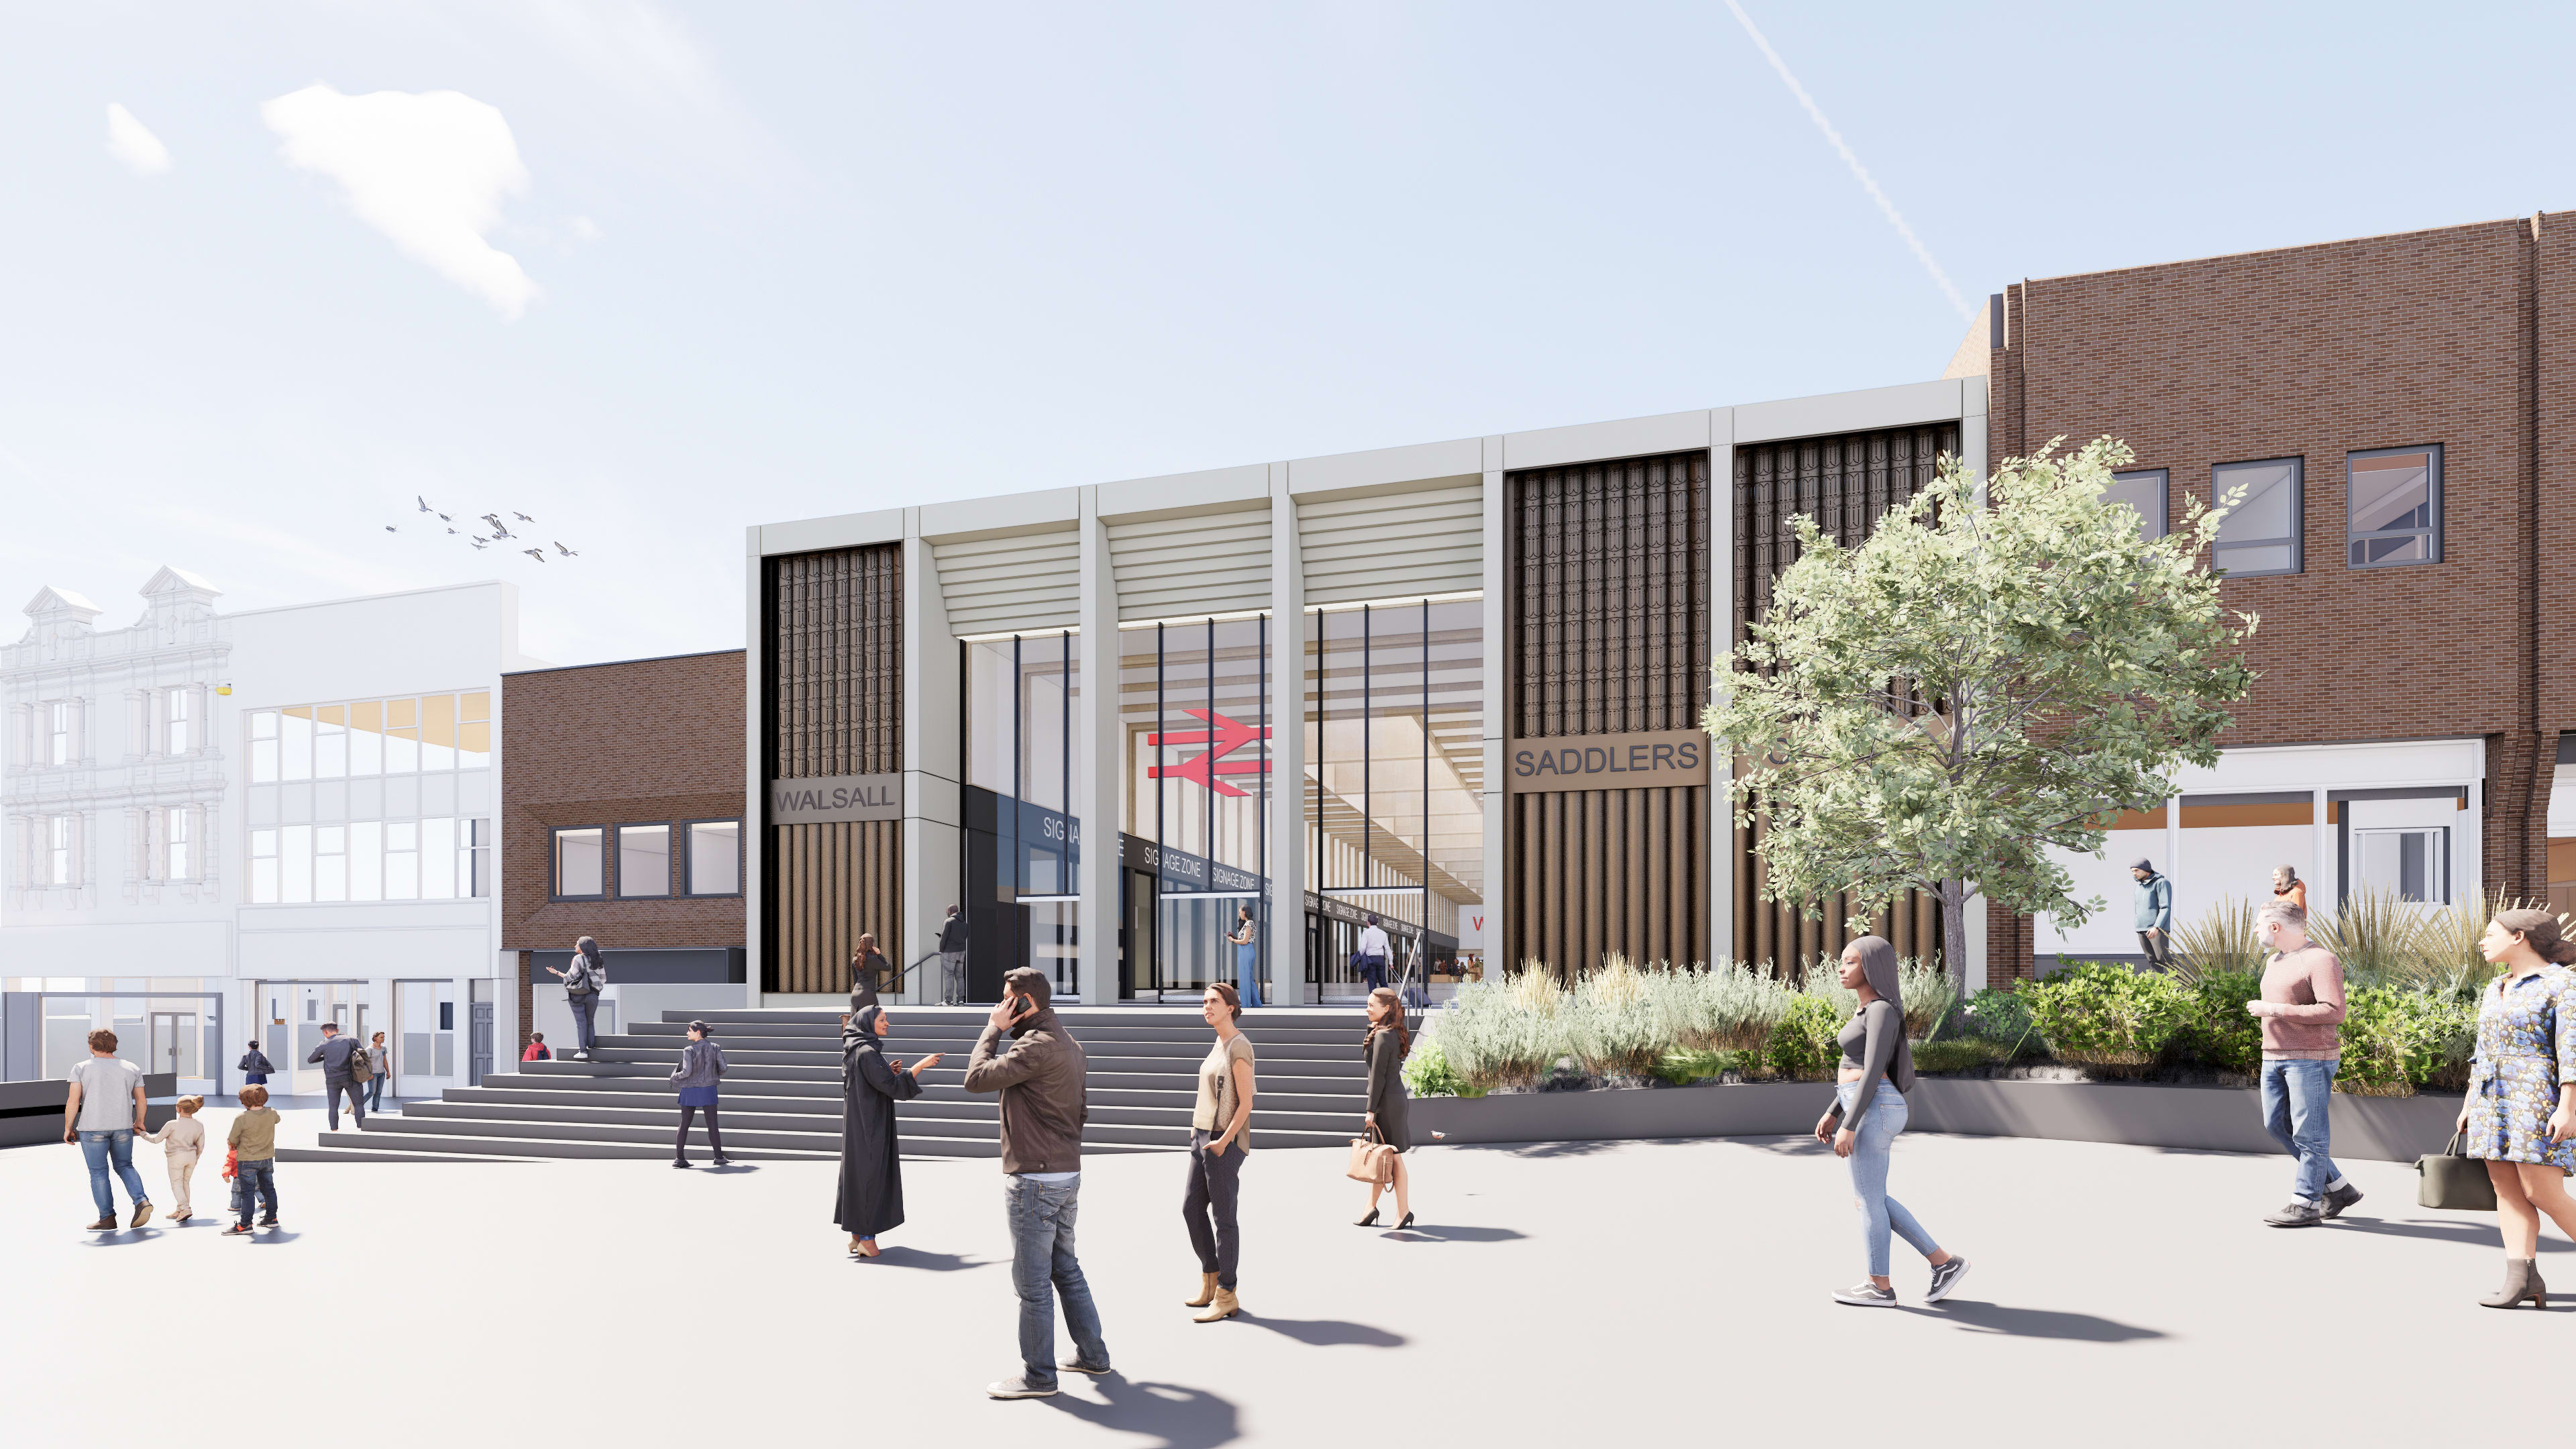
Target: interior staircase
{"points": [[782, 1090]]}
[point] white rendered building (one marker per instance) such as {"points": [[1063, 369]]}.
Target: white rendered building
{"points": [[222, 826]]}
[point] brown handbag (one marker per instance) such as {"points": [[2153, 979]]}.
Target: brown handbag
{"points": [[1372, 1160]]}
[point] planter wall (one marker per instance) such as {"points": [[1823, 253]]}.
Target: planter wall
{"points": [[2217, 1119]]}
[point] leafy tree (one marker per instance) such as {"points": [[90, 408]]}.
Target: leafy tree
{"points": [[1990, 676]]}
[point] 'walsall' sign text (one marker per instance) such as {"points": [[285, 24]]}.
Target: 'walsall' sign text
{"points": [[835, 797], [1607, 762]]}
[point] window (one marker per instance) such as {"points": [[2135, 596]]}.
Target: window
{"points": [[263, 867], [402, 736], [2407, 864], [2395, 498], [402, 860], [438, 860], [473, 731], [643, 860], [331, 862], [2261, 534], [331, 742], [367, 737], [58, 732], [263, 747], [295, 864], [181, 844], [57, 851], [715, 857], [295, 743], [438, 732], [579, 866], [182, 725], [367, 860], [2145, 492], [474, 857]]}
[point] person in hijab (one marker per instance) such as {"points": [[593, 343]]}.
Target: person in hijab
{"points": [[582, 980], [1868, 1111], [870, 1200]]}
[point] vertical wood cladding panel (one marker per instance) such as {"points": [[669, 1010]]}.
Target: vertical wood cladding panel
{"points": [[1609, 618], [834, 707], [1846, 483]]}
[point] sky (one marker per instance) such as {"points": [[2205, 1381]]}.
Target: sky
{"points": [[271, 273]]}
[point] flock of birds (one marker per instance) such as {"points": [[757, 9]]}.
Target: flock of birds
{"points": [[499, 532]]}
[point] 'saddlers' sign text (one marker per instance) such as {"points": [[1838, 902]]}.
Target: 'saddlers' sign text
{"points": [[1608, 762]]}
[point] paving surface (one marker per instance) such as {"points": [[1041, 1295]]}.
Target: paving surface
{"points": [[1567, 1294]]}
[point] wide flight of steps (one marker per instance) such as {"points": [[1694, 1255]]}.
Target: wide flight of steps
{"points": [[782, 1090]]}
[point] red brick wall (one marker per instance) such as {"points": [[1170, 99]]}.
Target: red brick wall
{"points": [[641, 741], [2317, 352]]}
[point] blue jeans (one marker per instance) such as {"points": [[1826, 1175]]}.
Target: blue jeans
{"points": [[1247, 973], [1873, 1134], [584, 1038], [375, 1091], [99, 1149], [1043, 1265], [2296, 1098], [258, 1178]]}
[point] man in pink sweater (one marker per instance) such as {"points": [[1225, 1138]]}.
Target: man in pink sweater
{"points": [[2301, 1009]]}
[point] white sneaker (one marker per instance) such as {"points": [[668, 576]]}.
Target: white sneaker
{"points": [[1866, 1294]]}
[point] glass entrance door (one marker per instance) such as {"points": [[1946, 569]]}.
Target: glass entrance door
{"points": [[174, 1043]]}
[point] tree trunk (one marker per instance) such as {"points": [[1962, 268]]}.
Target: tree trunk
{"points": [[1954, 937]]}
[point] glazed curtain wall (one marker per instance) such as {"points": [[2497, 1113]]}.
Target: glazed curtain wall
{"points": [[1194, 711], [1846, 483], [1023, 775], [1608, 570], [834, 706], [1395, 775]]}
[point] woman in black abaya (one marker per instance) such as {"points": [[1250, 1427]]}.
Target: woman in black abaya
{"points": [[871, 1196]]}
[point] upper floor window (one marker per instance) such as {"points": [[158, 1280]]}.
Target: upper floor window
{"points": [[2396, 506], [181, 726], [643, 860], [58, 732], [581, 865], [715, 857], [372, 860], [2260, 535], [372, 737], [2144, 490]]}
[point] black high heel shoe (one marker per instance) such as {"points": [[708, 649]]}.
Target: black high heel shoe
{"points": [[1365, 1221], [1400, 1227]]}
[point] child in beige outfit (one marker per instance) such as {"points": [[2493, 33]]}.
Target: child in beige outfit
{"points": [[184, 1138]]}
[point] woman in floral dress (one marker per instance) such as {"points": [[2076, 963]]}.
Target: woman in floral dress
{"points": [[2517, 1115]]}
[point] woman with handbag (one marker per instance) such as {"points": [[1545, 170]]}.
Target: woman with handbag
{"points": [[1868, 1112], [870, 1198], [1384, 1048], [2519, 1115], [1220, 1134], [583, 977]]}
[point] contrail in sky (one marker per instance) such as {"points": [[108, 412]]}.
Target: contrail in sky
{"points": [[1894, 218]]}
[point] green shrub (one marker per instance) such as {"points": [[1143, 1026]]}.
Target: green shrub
{"points": [[1685, 1065], [2219, 1032], [2000, 1017], [1427, 1073], [1504, 1033], [1958, 1054], [2397, 1040], [2107, 1016], [1613, 1020], [2224, 939], [1802, 1046], [1727, 1007], [1929, 994]]}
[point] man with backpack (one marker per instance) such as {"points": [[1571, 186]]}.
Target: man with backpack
{"points": [[344, 1069]]}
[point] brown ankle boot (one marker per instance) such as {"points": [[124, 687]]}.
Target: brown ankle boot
{"points": [[2521, 1281], [1207, 1292], [1224, 1307]]}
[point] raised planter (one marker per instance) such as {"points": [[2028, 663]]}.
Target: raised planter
{"points": [[2217, 1119]]}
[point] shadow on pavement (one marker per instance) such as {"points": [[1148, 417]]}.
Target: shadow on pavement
{"points": [[1559, 1149], [731, 1169], [1183, 1418], [916, 1258], [2035, 1322], [1325, 1332], [2465, 1234], [1420, 1234], [121, 1238]]}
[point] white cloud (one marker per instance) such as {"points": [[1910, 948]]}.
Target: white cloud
{"points": [[130, 141], [427, 170]]}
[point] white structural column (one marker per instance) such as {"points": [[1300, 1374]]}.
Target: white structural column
{"points": [[1096, 922], [933, 802], [755, 763], [1721, 641], [1497, 615], [1972, 457], [1287, 845]]}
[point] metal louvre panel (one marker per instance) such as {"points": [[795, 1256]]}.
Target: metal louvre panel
{"points": [[1028, 582], [1211, 564], [1609, 618], [1846, 482], [1394, 545], [834, 707]]}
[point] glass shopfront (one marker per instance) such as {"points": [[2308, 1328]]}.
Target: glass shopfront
{"points": [[1194, 711], [1023, 839]]}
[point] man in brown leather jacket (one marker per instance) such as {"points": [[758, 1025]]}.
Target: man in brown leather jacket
{"points": [[1040, 1076]]}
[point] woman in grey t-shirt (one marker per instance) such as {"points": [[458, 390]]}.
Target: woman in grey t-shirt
{"points": [[1868, 1112]]}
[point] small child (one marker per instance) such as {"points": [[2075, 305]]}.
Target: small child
{"points": [[254, 1144], [184, 1139]]}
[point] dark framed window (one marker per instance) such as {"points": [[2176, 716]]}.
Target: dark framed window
{"points": [[644, 860], [2393, 506], [581, 863], [2145, 491], [2261, 534], [715, 857]]}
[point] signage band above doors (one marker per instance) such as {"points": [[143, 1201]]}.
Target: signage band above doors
{"points": [[835, 797], [1608, 762]]}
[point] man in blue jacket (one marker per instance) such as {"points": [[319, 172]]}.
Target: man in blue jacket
{"points": [[2155, 911]]}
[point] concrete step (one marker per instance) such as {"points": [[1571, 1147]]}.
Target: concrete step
{"points": [[382, 1154], [773, 1034], [796, 1052]]}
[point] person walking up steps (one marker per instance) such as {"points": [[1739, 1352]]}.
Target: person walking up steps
{"points": [[2520, 1113], [1868, 1112], [253, 1140], [952, 959], [2154, 913], [1384, 1047], [1039, 1073], [334, 1056], [2302, 1010], [702, 1066], [583, 979], [183, 1140], [1220, 1134], [870, 1198], [104, 1113]]}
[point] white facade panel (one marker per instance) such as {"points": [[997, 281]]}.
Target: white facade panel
{"points": [[1023, 582], [1393, 545], [1207, 564]]}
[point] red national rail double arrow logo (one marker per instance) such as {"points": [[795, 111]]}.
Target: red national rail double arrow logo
{"points": [[1224, 739]]}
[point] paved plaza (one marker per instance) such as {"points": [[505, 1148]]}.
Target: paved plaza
{"points": [[1554, 1294]]}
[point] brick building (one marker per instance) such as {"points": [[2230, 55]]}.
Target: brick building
{"points": [[2400, 410], [622, 812]]}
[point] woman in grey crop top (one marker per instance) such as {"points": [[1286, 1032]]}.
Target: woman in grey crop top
{"points": [[1868, 1112]]}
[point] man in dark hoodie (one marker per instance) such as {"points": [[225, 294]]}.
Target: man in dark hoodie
{"points": [[1039, 1072], [333, 1055]]}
